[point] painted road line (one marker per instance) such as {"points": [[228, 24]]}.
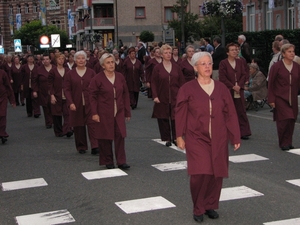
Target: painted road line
{"points": [[22, 184], [173, 146], [144, 204], [295, 182], [295, 151], [240, 192], [92, 175], [46, 218], [182, 165], [246, 158], [295, 221]]}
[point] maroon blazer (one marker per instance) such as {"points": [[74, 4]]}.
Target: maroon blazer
{"points": [[98, 68], [7, 69], [17, 77], [280, 89], [165, 86], [187, 70], [40, 84], [74, 87], [6, 92], [134, 73], [27, 77], [149, 68], [179, 60], [102, 104], [119, 67], [230, 76], [55, 82], [205, 154]]}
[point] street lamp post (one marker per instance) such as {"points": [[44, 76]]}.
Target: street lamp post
{"points": [[182, 27]]}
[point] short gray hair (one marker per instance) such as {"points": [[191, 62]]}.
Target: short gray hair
{"points": [[242, 37], [198, 55], [80, 53], [106, 56], [254, 66]]}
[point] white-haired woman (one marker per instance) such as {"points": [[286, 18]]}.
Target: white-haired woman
{"points": [[110, 105], [76, 83], [205, 118]]}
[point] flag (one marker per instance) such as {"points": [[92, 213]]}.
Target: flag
{"points": [[18, 21], [271, 4], [43, 12]]}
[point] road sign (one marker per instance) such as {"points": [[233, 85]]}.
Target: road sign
{"points": [[55, 40], [17, 45], [1, 50], [44, 40]]}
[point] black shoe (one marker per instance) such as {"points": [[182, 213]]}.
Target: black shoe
{"points": [[81, 151], [124, 166], [285, 148], [291, 147], [37, 116], [198, 219], [245, 137], [69, 134], [174, 142], [3, 139], [168, 144], [95, 151], [110, 166], [212, 214], [48, 126], [23, 104]]}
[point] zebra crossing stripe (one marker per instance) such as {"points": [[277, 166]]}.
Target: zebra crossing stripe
{"points": [[182, 165], [22, 184], [46, 218], [295, 182], [103, 174], [240, 192], [295, 221], [246, 158], [295, 151], [144, 204], [173, 146]]}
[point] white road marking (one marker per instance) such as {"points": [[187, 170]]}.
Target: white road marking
{"points": [[246, 158], [103, 174], [295, 182], [238, 193], [173, 146], [295, 221], [295, 151], [46, 218], [182, 165], [22, 184], [144, 204]]}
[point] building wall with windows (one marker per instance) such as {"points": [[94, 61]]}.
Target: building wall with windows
{"points": [[258, 15]]}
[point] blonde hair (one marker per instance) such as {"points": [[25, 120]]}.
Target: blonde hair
{"points": [[165, 47]]}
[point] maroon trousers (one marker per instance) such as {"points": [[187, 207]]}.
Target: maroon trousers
{"points": [[47, 114], [62, 128], [242, 116], [205, 191], [32, 104], [285, 131], [134, 98], [106, 155], [81, 139], [167, 129], [3, 126]]}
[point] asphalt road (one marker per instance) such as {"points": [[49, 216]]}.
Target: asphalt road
{"points": [[32, 151]]}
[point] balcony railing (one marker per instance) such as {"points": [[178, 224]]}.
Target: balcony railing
{"points": [[100, 22]]}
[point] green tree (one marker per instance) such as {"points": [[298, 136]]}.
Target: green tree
{"points": [[30, 34], [192, 24], [146, 36]]}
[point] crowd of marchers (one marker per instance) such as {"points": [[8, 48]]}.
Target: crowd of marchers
{"points": [[200, 100]]}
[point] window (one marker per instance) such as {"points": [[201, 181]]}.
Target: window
{"points": [[10, 9], [290, 15], [34, 8], [71, 2], [18, 9], [251, 18], [56, 23], [169, 15], [103, 11], [140, 12], [268, 17], [26, 8]]}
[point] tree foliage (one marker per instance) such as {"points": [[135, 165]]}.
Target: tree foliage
{"points": [[30, 34], [192, 25], [146, 36]]}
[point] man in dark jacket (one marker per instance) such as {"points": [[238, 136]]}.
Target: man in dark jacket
{"points": [[218, 55]]}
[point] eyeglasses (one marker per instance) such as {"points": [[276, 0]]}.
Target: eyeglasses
{"points": [[205, 64]]}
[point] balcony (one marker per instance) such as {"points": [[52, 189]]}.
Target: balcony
{"points": [[100, 23]]}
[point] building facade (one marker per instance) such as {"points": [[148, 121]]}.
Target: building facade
{"points": [[261, 15]]}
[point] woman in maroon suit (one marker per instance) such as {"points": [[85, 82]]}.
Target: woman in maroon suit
{"points": [[71, 63], [109, 100], [17, 77], [41, 90], [232, 73], [76, 84], [186, 66], [7, 67], [59, 107], [205, 119], [6, 93], [134, 74], [32, 105], [149, 68], [283, 86], [166, 80], [175, 55], [118, 62]]}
